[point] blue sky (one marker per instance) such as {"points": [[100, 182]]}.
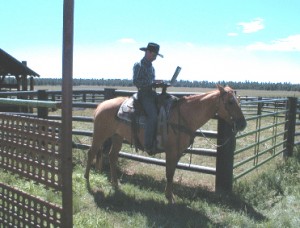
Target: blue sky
{"points": [[257, 40]]}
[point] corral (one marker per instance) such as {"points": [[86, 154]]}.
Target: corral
{"points": [[276, 131], [25, 210]]}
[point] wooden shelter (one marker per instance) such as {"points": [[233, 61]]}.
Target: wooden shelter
{"points": [[9, 66]]}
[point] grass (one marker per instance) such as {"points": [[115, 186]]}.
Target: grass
{"points": [[270, 199], [276, 193]]}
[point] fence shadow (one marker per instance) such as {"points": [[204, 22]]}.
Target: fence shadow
{"points": [[177, 215]]}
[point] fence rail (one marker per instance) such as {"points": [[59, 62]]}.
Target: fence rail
{"points": [[246, 157]]}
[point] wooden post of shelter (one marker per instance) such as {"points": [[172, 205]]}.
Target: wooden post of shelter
{"points": [[42, 112], [289, 136], [24, 79], [24, 87], [109, 93], [31, 83], [225, 155], [18, 79]]}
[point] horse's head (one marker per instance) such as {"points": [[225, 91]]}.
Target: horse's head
{"points": [[229, 109]]}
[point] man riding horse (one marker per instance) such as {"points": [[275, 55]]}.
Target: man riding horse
{"points": [[184, 117], [143, 79]]}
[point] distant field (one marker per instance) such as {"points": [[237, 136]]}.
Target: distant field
{"points": [[250, 93]]}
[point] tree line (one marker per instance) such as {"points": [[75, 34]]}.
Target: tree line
{"points": [[181, 83]]}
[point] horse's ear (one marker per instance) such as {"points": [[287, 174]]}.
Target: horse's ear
{"points": [[221, 88]]}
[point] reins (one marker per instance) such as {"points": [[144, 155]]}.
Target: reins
{"points": [[182, 128], [213, 144]]}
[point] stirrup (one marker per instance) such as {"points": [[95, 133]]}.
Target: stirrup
{"points": [[151, 151]]}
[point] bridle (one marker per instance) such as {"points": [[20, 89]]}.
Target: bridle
{"points": [[232, 99], [184, 129]]}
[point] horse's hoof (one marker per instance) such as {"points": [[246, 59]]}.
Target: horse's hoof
{"points": [[171, 199], [115, 185]]}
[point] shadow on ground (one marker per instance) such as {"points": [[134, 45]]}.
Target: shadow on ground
{"points": [[180, 214]]}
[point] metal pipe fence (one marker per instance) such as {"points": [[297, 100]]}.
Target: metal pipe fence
{"points": [[270, 131], [109, 93], [254, 147], [297, 125], [30, 147]]}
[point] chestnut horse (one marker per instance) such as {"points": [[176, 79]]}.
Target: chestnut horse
{"points": [[186, 116]]}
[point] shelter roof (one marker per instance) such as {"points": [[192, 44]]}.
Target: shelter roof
{"points": [[11, 66]]}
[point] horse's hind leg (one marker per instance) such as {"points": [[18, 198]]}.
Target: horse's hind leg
{"points": [[113, 158], [96, 147], [91, 155], [100, 154]]}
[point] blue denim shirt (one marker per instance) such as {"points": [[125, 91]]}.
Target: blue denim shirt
{"points": [[143, 74]]}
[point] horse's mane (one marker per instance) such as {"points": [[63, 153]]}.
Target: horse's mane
{"points": [[195, 97]]}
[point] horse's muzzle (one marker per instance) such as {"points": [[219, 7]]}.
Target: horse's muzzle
{"points": [[240, 125]]}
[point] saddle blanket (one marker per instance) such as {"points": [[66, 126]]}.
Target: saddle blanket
{"points": [[127, 110]]}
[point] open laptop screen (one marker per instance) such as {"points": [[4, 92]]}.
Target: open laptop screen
{"points": [[176, 73]]}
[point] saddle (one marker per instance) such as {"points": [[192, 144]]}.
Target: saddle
{"points": [[131, 112]]}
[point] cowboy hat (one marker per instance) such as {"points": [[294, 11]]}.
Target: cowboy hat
{"points": [[153, 47]]}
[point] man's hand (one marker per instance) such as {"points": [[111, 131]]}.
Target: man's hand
{"points": [[158, 84]]}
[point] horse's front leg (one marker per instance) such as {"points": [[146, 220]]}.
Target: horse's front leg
{"points": [[171, 162], [113, 158]]}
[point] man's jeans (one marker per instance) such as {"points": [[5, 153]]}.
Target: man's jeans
{"points": [[147, 97]]}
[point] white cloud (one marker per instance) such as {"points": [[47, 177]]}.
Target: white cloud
{"points": [[199, 63], [127, 40], [225, 63], [189, 44], [291, 43], [232, 34], [252, 26], [46, 61]]}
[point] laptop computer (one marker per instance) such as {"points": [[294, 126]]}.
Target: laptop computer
{"points": [[164, 84], [176, 73]]}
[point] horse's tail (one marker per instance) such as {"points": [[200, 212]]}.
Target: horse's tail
{"points": [[102, 155], [107, 145]]}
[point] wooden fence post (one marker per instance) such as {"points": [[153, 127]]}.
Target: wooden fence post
{"points": [[109, 93], [289, 136], [225, 155], [42, 112], [259, 106]]}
